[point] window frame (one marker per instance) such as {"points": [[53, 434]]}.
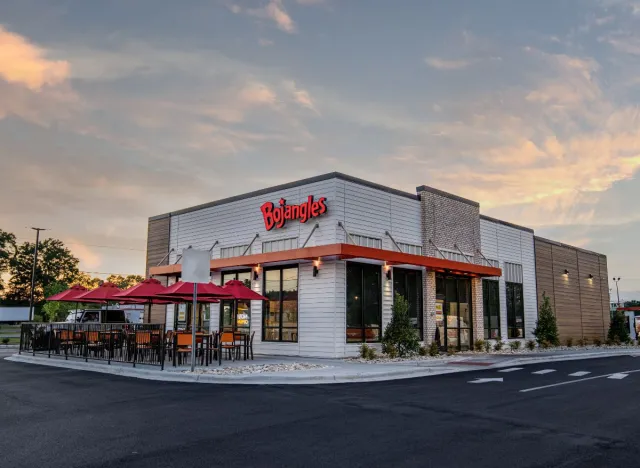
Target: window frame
{"points": [[419, 294], [265, 304], [485, 310], [512, 313], [363, 327], [234, 326]]}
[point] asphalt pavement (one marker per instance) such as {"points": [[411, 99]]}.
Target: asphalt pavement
{"points": [[568, 414]]}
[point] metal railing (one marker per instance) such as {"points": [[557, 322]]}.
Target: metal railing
{"points": [[124, 343]]}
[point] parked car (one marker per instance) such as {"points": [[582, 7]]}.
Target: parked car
{"points": [[97, 316]]}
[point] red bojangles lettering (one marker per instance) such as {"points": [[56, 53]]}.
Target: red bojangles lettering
{"points": [[278, 216]]}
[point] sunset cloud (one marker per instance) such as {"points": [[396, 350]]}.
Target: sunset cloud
{"points": [[273, 11], [25, 63], [444, 64]]}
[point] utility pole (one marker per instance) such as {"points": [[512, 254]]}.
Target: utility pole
{"points": [[617, 289], [33, 272]]}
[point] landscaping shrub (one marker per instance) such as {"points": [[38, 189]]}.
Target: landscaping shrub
{"points": [[544, 344], [618, 329], [498, 345], [546, 326], [597, 342], [569, 342], [583, 342], [433, 349], [478, 345], [5, 341], [423, 351], [400, 334], [531, 344], [452, 350], [367, 352], [487, 346], [515, 345]]}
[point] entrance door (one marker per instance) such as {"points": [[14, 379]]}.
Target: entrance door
{"points": [[455, 296], [408, 283]]}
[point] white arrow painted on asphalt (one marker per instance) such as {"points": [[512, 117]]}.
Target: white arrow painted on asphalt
{"points": [[579, 373], [544, 371], [486, 380], [511, 369], [617, 376]]}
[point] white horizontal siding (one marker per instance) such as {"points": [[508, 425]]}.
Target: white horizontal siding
{"points": [[510, 245]]}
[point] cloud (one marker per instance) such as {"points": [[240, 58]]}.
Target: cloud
{"points": [[273, 11], [88, 258], [300, 96], [24, 63], [444, 64], [265, 42]]}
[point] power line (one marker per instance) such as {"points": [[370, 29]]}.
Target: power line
{"points": [[91, 245]]}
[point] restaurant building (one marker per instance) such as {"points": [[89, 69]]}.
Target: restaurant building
{"points": [[331, 251]]}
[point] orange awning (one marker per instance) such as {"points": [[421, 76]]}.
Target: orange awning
{"points": [[341, 252]]}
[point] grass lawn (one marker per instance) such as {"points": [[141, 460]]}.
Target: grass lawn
{"points": [[12, 341]]}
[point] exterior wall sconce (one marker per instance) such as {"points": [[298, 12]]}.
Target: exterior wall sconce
{"points": [[387, 272], [566, 272], [590, 276], [256, 273], [316, 270]]}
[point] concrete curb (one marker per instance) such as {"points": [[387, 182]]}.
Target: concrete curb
{"points": [[298, 377], [249, 379]]}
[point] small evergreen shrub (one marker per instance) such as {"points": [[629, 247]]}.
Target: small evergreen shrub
{"points": [[399, 333], [487, 346], [583, 342], [478, 345], [367, 352], [498, 346], [515, 345], [451, 350], [423, 351], [546, 326], [597, 342], [5, 341], [544, 344], [433, 349], [531, 344], [569, 342], [618, 329]]}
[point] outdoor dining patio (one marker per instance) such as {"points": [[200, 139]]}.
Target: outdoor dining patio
{"points": [[149, 344]]}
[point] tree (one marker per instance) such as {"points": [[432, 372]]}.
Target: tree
{"points": [[546, 328], [56, 311], [87, 281], [125, 282], [400, 334], [7, 253], [632, 304], [56, 263], [618, 331]]}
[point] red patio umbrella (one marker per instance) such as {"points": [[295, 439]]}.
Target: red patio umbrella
{"points": [[104, 293], [144, 293], [68, 295], [185, 289], [239, 291]]}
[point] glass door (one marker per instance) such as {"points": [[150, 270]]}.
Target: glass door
{"points": [[453, 296]]}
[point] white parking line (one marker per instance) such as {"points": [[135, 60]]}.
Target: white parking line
{"points": [[544, 371], [579, 374], [568, 382], [511, 369]]}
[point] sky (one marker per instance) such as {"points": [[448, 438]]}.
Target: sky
{"points": [[115, 111]]}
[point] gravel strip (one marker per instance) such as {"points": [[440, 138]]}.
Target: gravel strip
{"points": [[506, 350], [258, 369]]}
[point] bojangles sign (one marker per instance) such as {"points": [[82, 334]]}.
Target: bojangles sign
{"points": [[277, 216]]}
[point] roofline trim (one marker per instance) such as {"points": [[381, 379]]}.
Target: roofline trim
{"points": [[289, 185], [506, 223], [425, 188]]}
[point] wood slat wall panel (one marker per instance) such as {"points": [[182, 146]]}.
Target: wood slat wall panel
{"points": [[581, 304], [158, 236]]}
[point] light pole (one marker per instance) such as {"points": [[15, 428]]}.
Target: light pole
{"points": [[617, 289], [33, 271]]}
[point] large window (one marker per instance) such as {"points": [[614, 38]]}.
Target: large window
{"points": [[515, 310], [240, 318], [364, 305], [491, 309], [279, 245], [408, 283], [280, 316]]}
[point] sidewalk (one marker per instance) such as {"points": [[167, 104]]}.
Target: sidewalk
{"points": [[322, 371]]}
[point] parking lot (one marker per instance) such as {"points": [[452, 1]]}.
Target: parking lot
{"points": [[576, 413]]}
